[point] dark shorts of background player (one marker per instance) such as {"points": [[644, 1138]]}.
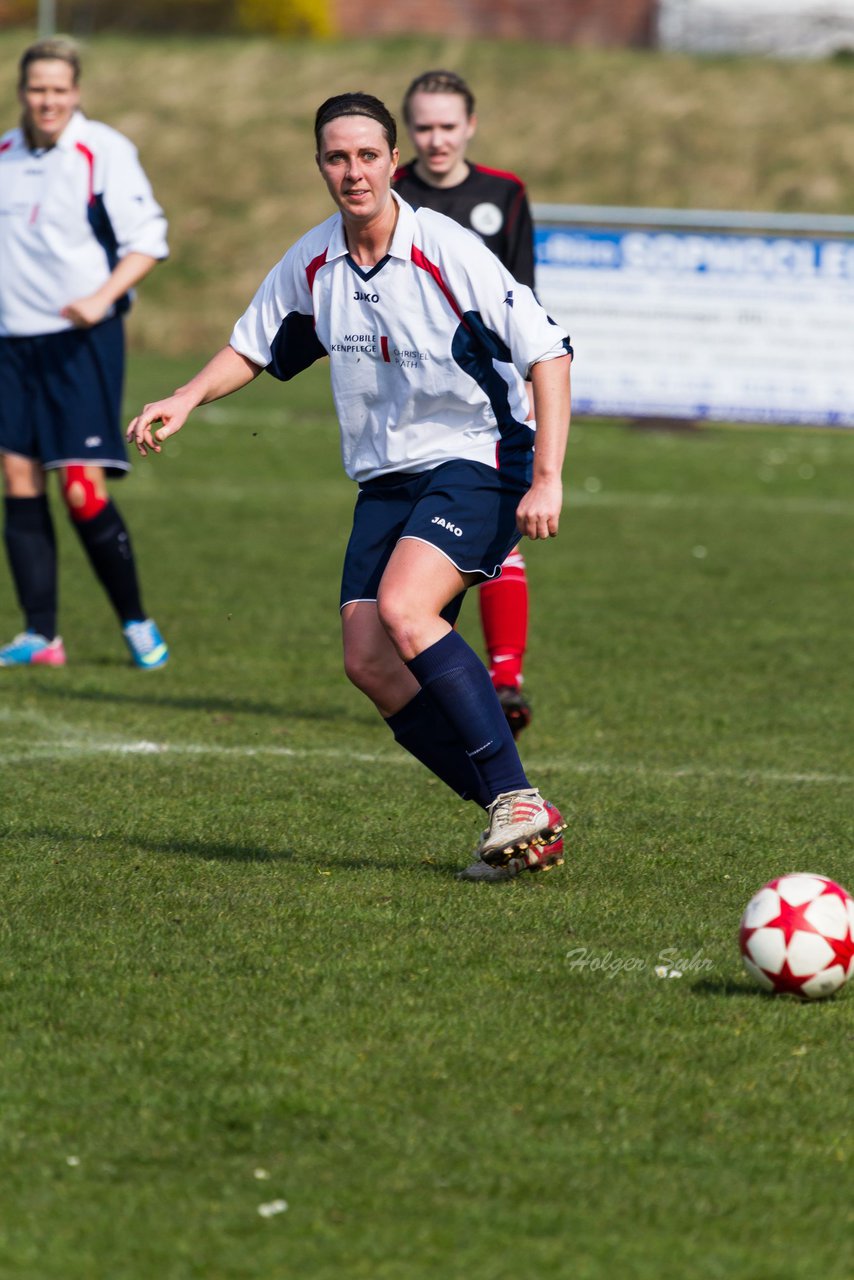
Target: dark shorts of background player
{"points": [[464, 509], [61, 397]]}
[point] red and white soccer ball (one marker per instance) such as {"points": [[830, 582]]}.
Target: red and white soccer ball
{"points": [[797, 936]]}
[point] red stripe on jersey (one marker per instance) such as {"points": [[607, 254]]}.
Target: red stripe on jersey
{"points": [[515, 209], [313, 268], [4, 146], [430, 267], [89, 157], [499, 173], [384, 346]]}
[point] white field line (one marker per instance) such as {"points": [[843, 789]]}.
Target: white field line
{"points": [[250, 417], [78, 748], [576, 499], [228, 491], [664, 501]]}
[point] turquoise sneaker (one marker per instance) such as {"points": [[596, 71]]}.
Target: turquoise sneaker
{"points": [[30, 649], [147, 646]]}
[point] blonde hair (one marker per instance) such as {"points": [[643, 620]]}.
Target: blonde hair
{"points": [[53, 49]]}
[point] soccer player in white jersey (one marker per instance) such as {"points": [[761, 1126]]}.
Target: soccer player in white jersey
{"points": [[439, 111], [429, 341], [79, 228]]}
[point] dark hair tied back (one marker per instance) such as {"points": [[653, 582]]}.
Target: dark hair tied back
{"points": [[438, 82], [356, 104]]}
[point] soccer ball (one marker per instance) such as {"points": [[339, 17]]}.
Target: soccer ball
{"points": [[797, 935]]}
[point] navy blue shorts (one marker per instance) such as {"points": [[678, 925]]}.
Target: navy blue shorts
{"points": [[464, 509], [61, 397]]}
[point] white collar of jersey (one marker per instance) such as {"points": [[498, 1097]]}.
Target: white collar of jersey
{"points": [[73, 131], [404, 232], [401, 243], [66, 141]]}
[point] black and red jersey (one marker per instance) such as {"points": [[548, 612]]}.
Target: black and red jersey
{"points": [[490, 202]]}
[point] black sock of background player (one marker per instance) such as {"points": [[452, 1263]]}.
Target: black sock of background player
{"points": [[107, 544], [31, 548]]}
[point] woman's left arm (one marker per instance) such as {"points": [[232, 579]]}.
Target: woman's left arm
{"points": [[538, 514]]}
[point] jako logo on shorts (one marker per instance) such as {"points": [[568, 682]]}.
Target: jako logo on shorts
{"points": [[446, 524]]}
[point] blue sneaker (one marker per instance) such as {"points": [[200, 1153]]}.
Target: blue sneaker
{"points": [[30, 649], [147, 646]]}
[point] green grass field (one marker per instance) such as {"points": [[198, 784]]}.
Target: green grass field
{"points": [[237, 970]]}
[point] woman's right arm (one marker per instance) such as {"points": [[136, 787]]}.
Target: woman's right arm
{"points": [[228, 371]]}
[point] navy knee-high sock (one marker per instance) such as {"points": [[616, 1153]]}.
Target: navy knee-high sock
{"points": [[422, 730], [452, 674], [31, 548], [107, 544]]}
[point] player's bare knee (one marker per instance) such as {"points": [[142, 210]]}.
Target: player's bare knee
{"points": [[400, 620], [363, 671], [22, 477], [353, 669]]}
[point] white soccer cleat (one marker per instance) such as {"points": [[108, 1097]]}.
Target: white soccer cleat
{"points": [[540, 857], [517, 821]]}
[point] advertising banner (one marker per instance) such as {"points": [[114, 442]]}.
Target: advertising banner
{"points": [[704, 325]]}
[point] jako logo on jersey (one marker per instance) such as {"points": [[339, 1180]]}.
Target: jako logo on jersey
{"points": [[358, 296], [446, 524]]}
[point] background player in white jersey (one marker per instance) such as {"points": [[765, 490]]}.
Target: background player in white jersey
{"points": [[79, 227], [439, 111], [429, 341]]}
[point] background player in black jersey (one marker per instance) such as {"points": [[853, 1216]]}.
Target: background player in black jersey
{"points": [[439, 111]]}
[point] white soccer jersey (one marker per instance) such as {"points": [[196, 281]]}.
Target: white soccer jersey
{"points": [[67, 215], [428, 350]]}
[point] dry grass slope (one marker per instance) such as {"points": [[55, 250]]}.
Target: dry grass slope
{"points": [[224, 127]]}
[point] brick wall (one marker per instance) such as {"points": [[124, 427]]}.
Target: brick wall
{"points": [[580, 22]]}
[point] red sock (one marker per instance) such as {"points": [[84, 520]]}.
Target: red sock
{"points": [[504, 616]]}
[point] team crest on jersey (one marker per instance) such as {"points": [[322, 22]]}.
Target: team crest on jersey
{"points": [[486, 218]]}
